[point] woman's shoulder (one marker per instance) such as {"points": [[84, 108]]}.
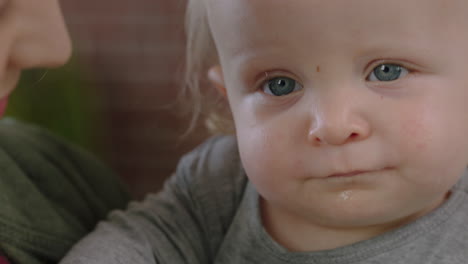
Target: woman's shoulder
{"points": [[21, 140], [42, 157], [52, 193]]}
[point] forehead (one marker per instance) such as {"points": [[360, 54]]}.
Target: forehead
{"points": [[243, 25]]}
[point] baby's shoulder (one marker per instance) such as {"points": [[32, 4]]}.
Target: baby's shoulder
{"points": [[212, 179], [214, 167], [217, 154]]}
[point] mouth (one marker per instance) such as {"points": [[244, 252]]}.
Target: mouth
{"points": [[354, 173], [348, 174]]}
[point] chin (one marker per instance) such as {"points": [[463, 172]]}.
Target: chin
{"points": [[358, 212]]}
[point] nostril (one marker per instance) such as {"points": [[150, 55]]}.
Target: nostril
{"points": [[338, 133], [353, 136]]}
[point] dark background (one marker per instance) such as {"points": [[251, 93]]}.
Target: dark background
{"points": [[114, 97]]}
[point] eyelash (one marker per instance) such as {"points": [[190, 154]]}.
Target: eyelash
{"points": [[373, 65], [271, 75]]}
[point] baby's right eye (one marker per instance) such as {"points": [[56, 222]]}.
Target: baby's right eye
{"points": [[387, 72], [280, 86]]}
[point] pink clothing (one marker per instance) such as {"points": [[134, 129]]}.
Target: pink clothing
{"points": [[3, 105], [3, 260]]}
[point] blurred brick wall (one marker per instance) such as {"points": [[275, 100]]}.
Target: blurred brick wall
{"points": [[134, 52]]}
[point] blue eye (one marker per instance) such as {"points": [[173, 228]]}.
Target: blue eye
{"points": [[387, 73], [281, 86]]}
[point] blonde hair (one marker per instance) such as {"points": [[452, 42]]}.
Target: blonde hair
{"points": [[202, 100]]}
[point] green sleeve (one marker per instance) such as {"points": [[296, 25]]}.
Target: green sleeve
{"points": [[51, 193]]}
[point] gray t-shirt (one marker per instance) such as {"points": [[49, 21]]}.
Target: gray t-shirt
{"points": [[208, 213]]}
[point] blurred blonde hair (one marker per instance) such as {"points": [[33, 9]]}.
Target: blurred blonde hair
{"points": [[202, 100]]}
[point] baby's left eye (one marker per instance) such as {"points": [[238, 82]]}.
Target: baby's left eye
{"points": [[387, 73], [281, 86]]}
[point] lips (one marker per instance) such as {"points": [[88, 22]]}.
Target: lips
{"points": [[348, 174], [354, 173]]}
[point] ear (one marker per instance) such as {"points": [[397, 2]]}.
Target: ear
{"points": [[215, 76]]}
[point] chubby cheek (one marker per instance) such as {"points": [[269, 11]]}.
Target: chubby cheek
{"points": [[268, 155], [432, 145], [263, 155], [417, 133]]}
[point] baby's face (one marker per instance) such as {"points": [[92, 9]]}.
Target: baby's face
{"points": [[32, 34], [347, 113]]}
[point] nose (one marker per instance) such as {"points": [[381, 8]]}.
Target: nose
{"points": [[338, 122], [42, 38]]}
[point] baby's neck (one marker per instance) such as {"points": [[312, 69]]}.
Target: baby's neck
{"points": [[299, 235]]}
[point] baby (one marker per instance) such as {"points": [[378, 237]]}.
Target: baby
{"points": [[350, 140]]}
